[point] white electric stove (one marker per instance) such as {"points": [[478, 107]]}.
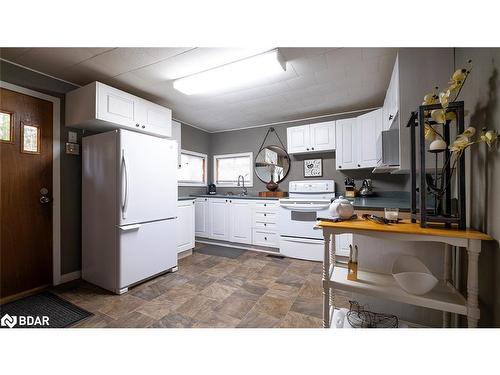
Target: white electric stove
{"points": [[298, 213]]}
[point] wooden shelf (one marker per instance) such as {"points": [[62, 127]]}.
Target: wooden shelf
{"points": [[442, 297]]}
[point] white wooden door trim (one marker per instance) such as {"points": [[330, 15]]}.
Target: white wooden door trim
{"points": [[56, 173]]}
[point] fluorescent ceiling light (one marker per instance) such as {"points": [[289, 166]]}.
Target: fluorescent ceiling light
{"points": [[234, 75]]}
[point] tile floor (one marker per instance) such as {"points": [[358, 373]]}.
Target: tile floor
{"points": [[252, 290]]}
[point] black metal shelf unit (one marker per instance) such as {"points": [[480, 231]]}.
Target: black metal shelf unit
{"points": [[445, 210]]}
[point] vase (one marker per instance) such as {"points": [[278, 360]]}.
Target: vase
{"points": [[271, 185]]}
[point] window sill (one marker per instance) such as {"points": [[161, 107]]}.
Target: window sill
{"points": [[191, 184]]}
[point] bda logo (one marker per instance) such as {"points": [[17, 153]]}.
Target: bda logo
{"points": [[8, 321]]}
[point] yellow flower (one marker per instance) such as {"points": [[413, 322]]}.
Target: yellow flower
{"points": [[444, 97], [429, 133], [469, 132], [439, 116], [491, 137], [451, 116], [430, 98]]}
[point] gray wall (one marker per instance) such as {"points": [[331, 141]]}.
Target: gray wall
{"points": [[481, 96], [249, 140], [70, 164], [193, 139]]}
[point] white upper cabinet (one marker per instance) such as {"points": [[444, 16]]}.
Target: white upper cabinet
{"points": [[346, 144], [322, 136], [318, 137], [356, 141], [177, 136], [202, 217], [240, 219], [297, 139], [369, 127], [100, 107], [391, 101]]}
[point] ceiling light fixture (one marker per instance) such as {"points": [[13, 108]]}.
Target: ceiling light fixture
{"points": [[233, 75]]}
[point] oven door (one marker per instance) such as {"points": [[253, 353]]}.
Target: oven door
{"points": [[297, 219]]}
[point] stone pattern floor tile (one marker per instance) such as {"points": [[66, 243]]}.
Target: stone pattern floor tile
{"points": [[251, 291]]}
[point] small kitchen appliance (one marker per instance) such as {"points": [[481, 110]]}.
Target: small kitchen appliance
{"points": [[366, 188], [212, 189]]}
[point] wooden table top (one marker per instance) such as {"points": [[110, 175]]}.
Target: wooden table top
{"points": [[406, 227]]}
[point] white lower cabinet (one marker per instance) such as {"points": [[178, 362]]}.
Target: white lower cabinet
{"points": [[263, 237], [265, 223], [202, 217], [219, 219], [240, 221], [185, 225]]}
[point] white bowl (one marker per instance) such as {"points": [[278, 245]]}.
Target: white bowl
{"points": [[417, 283], [412, 275]]}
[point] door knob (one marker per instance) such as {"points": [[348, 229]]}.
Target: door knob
{"points": [[44, 199]]}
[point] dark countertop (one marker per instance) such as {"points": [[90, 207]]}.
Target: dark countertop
{"points": [[185, 198], [233, 197]]}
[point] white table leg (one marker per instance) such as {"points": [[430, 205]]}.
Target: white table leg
{"points": [[473, 313], [446, 278], [326, 284]]}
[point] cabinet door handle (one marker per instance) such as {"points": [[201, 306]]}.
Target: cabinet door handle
{"points": [[340, 166], [265, 204], [143, 126], [230, 201], [265, 214], [312, 148], [359, 165], [137, 125], [307, 149], [265, 224], [265, 238]]}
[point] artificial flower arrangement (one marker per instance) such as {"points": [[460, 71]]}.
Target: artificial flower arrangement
{"points": [[444, 117]]}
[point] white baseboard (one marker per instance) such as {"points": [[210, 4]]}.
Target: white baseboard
{"points": [[75, 275]]}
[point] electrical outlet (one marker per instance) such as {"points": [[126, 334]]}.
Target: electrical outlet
{"points": [[72, 148]]}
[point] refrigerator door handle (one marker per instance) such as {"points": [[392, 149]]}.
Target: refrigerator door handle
{"points": [[124, 194], [130, 227]]}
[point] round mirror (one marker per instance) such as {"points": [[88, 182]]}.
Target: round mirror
{"points": [[272, 164]]}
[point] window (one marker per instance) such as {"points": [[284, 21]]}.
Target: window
{"points": [[6, 127], [228, 167], [30, 139], [193, 170]]}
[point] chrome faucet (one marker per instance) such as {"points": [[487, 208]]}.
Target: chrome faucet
{"points": [[244, 189]]}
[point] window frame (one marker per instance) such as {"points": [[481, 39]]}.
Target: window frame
{"points": [[12, 126], [205, 173], [226, 156]]}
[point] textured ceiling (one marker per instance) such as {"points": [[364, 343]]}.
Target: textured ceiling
{"points": [[318, 81]]}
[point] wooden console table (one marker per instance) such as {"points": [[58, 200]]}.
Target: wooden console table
{"points": [[443, 297]]}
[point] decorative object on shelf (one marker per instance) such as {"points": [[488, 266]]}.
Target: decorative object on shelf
{"points": [[352, 265], [313, 168], [272, 162], [350, 187], [342, 208], [435, 118], [358, 317], [412, 275], [273, 194]]}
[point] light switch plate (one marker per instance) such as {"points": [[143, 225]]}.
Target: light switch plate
{"points": [[72, 148], [72, 137]]}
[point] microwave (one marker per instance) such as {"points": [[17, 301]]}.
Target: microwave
{"points": [[388, 150]]}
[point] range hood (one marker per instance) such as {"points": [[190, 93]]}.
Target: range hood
{"points": [[387, 151]]}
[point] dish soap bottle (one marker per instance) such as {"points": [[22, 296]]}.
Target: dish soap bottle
{"points": [[352, 265]]}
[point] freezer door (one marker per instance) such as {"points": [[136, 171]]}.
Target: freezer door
{"points": [[145, 250], [147, 178]]}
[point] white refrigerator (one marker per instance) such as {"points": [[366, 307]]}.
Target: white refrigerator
{"points": [[129, 204]]}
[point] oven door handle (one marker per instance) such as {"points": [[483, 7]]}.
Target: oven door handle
{"points": [[305, 208], [302, 240]]}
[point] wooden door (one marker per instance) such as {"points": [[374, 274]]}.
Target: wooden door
{"points": [[25, 212]]}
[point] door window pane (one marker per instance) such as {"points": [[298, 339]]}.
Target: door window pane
{"points": [[30, 139], [6, 127]]}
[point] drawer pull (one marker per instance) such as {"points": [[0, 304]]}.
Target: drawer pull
{"points": [[265, 238]]}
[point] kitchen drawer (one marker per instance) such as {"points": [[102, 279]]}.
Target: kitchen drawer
{"points": [[266, 205], [265, 217], [265, 225], [265, 238], [302, 248]]}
